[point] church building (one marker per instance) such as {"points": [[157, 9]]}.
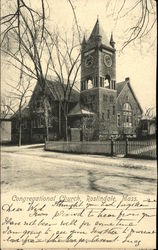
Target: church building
{"points": [[102, 109], [106, 107]]}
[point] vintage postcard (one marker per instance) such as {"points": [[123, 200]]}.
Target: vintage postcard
{"points": [[78, 124]]}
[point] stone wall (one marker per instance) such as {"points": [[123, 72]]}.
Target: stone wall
{"points": [[102, 101], [107, 112]]}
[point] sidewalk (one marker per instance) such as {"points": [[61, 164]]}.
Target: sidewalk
{"points": [[38, 151]]}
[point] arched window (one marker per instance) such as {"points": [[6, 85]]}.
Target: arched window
{"points": [[127, 115], [107, 81], [89, 83], [127, 107]]}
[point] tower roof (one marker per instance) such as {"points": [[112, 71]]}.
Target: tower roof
{"points": [[99, 32]]}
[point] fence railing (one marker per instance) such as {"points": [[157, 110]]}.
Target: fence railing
{"points": [[145, 148], [127, 148]]}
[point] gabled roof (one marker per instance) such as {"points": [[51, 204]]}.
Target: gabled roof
{"points": [[25, 112], [5, 116], [79, 111], [57, 90], [120, 86], [98, 31]]}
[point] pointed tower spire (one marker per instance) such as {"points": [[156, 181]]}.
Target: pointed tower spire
{"points": [[112, 40], [84, 40], [84, 43], [99, 35]]}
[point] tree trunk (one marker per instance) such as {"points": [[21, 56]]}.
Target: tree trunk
{"points": [[19, 143], [66, 125], [46, 119], [66, 129], [47, 133], [59, 120]]}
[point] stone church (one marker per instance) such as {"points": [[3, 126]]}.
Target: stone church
{"points": [[106, 107], [102, 109]]}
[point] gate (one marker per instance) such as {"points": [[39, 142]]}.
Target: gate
{"points": [[119, 147], [133, 148]]}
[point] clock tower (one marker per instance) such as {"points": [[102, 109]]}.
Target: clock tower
{"points": [[98, 80]]}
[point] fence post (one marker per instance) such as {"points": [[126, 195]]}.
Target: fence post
{"points": [[126, 150], [112, 145]]}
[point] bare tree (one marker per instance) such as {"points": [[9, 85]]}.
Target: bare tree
{"points": [[8, 106], [149, 113], [140, 15], [17, 98], [66, 67], [29, 44], [24, 36]]}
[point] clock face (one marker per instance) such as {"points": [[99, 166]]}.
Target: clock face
{"points": [[89, 61], [108, 60]]}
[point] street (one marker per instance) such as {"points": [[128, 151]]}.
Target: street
{"points": [[31, 169]]}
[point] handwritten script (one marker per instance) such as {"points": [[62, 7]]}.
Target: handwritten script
{"points": [[78, 221]]}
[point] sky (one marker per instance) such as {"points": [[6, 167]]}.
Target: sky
{"points": [[137, 62]]}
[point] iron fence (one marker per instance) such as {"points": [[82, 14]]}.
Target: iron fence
{"points": [[145, 149], [134, 148]]}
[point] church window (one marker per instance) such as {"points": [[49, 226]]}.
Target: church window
{"points": [[113, 110], [85, 85], [111, 98], [82, 88], [103, 115], [105, 98], [118, 120], [40, 122], [127, 98], [107, 77], [108, 113], [144, 125], [111, 84], [96, 81], [34, 123], [93, 98], [127, 115], [106, 83], [25, 124], [49, 122], [101, 82], [90, 84]]}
